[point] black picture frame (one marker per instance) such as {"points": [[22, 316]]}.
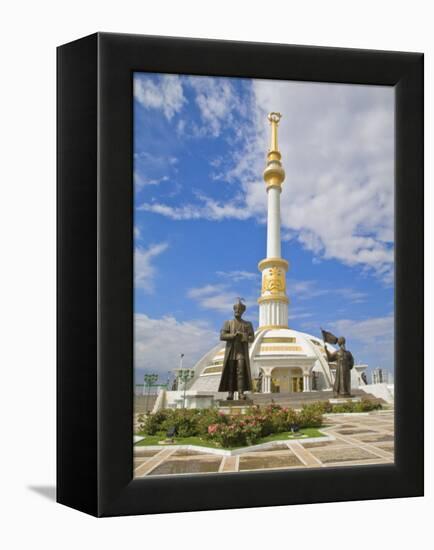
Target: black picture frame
{"points": [[95, 274]]}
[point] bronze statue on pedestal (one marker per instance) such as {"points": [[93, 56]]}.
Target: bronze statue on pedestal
{"points": [[237, 333], [344, 363]]}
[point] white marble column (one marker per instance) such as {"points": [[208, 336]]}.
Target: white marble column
{"points": [[306, 382], [267, 383], [273, 223]]}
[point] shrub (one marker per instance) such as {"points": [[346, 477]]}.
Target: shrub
{"points": [[279, 420], [340, 408], [140, 422], [185, 422], [365, 405], [154, 422], [275, 419], [325, 406], [310, 416], [208, 417], [237, 433]]}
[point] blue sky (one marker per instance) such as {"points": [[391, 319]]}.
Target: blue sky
{"points": [[200, 204]]}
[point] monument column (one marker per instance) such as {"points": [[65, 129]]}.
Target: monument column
{"points": [[273, 303]]}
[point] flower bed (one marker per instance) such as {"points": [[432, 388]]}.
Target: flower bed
{"points": [[231, 431]]}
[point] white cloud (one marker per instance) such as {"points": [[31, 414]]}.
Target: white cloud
{"points": [[216, 100], [219, 297], [236, 276], [367, 331], [209, 209], [159, 342], [308, 289], [351, 295], [153, 170], [297, 313], [141, 181], [215, 297], [144, 270], [166, 94], [180, 127], [371, 340], [206, 290], [155, 160]]}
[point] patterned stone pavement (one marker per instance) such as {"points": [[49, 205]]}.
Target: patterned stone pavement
{"points": [[357, 439]]}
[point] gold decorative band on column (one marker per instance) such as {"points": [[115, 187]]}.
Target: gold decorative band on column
{"points": [[272, 262], [274, 298], [271, 327]]}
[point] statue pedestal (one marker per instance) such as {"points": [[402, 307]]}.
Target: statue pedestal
{"points": [[234, 407], [340, 400]]}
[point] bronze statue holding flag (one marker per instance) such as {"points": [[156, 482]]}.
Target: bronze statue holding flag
{"points": [[344, 363]]}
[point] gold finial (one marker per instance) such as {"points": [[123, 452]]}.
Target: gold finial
{"points": [[274, 174], [274, 119]]}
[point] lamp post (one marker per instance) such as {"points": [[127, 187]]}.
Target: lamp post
{"points": [[149, 380], [184, 375], [178, 379]]}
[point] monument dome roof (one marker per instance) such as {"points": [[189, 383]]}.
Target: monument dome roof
{"points": [[274, 345]]}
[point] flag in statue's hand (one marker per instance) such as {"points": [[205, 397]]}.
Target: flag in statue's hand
{"points": [[328, 337]]}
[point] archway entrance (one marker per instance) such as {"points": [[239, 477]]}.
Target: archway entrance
{"points": [[287, 380]]}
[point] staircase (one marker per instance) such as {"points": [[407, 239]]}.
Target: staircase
{"points": [[144, 403], [297, 399]]}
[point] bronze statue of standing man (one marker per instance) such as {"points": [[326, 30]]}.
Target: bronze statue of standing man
{"points": [[237, 333], [344, 363]]}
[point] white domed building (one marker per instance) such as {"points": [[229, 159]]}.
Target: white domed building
{"points": [[281, 359]]}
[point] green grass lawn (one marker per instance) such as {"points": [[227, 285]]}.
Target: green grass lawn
{"points": [[285, 436]]}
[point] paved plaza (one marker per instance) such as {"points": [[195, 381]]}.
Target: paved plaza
{"points": [[353, 439]]}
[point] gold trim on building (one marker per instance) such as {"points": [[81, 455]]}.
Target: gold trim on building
{"points": [[280, 348], [274, 298], [271, 327], [211, 370], [279, 339], [273, 262]]}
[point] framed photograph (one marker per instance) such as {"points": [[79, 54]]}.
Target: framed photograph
{"points": [[240, 274]]}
